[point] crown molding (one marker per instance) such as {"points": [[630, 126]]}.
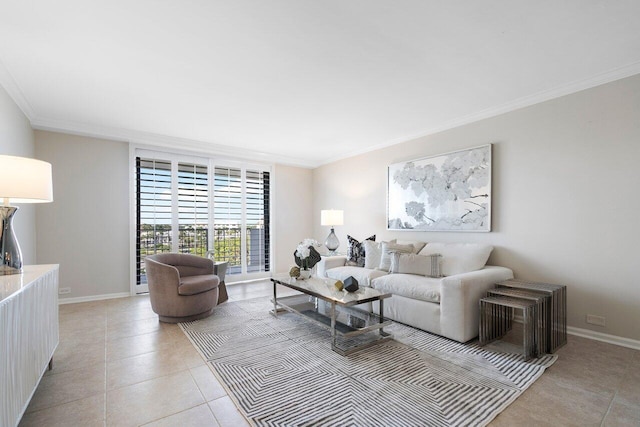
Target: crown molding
{"points": [[525, 101], [126, 135], [11, 86], [163, 141]]}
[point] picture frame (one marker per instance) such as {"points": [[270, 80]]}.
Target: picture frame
{"points": [[447, 192]]}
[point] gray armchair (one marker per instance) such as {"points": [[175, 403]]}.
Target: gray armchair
{"points": [[182, 287]]}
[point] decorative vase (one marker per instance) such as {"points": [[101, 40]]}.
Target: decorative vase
{"points": [[10, 255], [332, 243], [305, 274]]}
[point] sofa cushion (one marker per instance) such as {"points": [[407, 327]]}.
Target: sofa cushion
{"points": [[417, 245], [423, 265], [364, 276], [193, 285], [372, 254], [409, 286], [355, 251], [458, 258], [387, 249]]}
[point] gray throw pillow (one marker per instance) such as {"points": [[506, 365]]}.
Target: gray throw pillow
{"points": [[422, 265], [387, 249]]}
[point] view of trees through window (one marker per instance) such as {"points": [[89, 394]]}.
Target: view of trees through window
{"points": [[177, 195]]}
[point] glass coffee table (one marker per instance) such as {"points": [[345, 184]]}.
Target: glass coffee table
{"points": [[352, 328]]}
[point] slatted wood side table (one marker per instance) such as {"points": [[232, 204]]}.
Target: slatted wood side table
{"points": [[496, 317], [557, 329]]}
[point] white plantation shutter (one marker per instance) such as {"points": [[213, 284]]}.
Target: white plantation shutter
{"points": [[193, 208], [257, 220], [227, 222], [183, 205], [241, 218], [153, 194]]}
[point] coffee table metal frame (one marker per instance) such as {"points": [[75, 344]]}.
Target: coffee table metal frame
{"points": [[339, 301]]}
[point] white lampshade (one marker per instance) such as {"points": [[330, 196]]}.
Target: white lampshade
{"points": [[331, 217], [24, 180]]}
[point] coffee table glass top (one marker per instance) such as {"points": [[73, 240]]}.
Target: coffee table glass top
{"points": [[325, 289]]}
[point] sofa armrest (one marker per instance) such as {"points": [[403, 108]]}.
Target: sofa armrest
{"points": [[460, 296], [329, 262]]}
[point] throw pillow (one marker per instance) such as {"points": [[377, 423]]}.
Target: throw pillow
{"points": [[387, 248], [417, 245], [422, 265], [355, 251], [372, 254], [458, 258]]}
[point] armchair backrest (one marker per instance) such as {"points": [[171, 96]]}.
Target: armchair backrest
{"points": [[187, 265]]}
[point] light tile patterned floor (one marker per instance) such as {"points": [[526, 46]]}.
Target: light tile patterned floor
{"points": [[116, 365]]}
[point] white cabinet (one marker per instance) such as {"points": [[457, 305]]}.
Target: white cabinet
{"points": [[28, 336]]}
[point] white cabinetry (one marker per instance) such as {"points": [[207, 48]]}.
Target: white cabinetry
{"points": [[28, 336]]}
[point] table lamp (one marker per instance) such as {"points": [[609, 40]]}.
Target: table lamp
{"points": [[22, 180], [331, 218]]}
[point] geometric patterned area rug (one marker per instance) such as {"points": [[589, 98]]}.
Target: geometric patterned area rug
{"points": [[282, 372]]}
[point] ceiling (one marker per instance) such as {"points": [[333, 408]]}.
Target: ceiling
{"points": [[301, 82]]}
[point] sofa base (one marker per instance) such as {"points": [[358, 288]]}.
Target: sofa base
{"points": [[419, 314]]}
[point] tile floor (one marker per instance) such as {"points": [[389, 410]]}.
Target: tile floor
{"points": [[116, 365]]}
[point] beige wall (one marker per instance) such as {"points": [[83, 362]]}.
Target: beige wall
{"points": [[293, 202], [564, 200], [565, 205], [86, 229], [16, 139]]}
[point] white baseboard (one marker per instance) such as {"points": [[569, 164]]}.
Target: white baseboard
{"points": [[596, 336], [240, 282], [599, 336], [62, 301]]}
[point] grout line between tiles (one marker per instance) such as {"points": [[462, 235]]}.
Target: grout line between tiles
{"points": [[175, 413], [606, 414]]}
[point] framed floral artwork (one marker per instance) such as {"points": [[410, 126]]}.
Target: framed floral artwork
{"points": [[449, 192]]}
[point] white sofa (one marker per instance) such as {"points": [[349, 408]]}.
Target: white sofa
{"points": [[447, 306]]}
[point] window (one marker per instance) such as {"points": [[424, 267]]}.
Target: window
{"points": [[241, 219], [227, 215], [178, 200], [193, 209], [159, 183], [257, 208], [153, 211]]}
